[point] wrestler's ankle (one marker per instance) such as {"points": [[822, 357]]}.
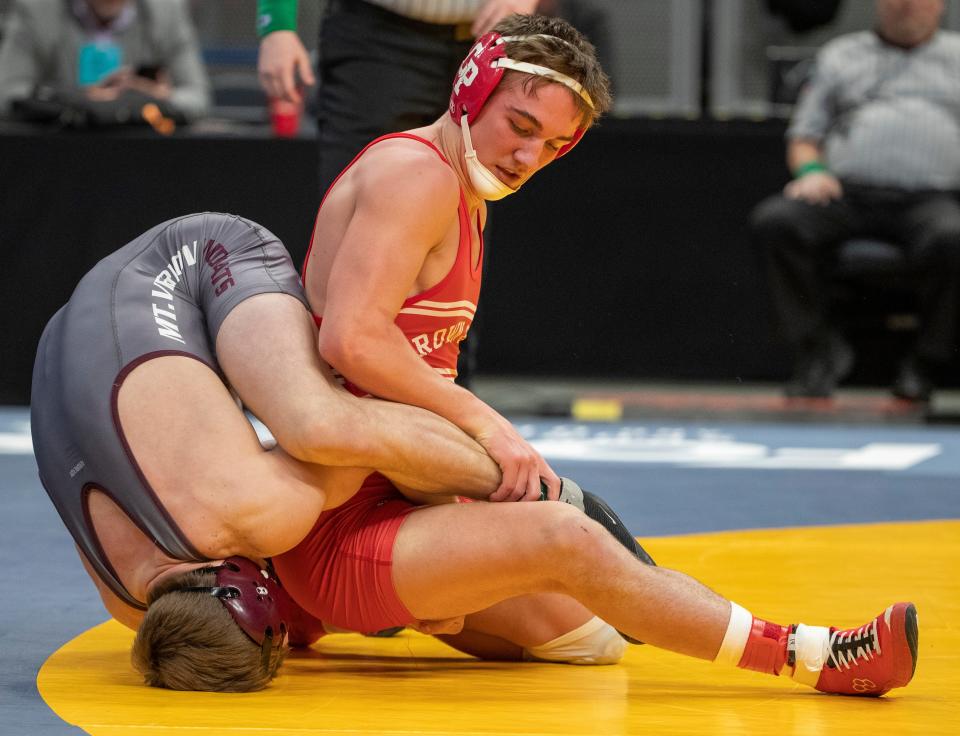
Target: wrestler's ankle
{"points": [[753, 643]]}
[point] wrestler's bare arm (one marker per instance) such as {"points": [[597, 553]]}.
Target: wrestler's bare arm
{"points": [[379, 264], [267, 347]]}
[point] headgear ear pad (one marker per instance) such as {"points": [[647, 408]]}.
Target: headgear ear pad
{"points": [[262, 609], [477, 77], [481, 72]]}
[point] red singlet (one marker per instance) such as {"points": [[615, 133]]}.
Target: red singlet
{"points": [[341, 572], [437, 320]]}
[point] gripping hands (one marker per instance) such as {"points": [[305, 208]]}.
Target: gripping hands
{"points": [[522, 466]]}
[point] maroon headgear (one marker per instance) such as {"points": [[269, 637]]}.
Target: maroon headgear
{"points": [[261, 607]]}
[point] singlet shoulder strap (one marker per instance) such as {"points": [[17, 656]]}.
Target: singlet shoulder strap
{"points": [[375, 141]]}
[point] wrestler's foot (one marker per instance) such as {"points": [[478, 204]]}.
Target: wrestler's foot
{"points": [[873, 658]]}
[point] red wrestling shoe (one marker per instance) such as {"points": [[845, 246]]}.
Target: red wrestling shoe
{"points": [[873, 658]]}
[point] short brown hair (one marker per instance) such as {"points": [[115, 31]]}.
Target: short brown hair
{"points": [[189, 641], [572, 55]]}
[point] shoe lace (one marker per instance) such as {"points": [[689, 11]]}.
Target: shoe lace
{"points": [[850, 647]]}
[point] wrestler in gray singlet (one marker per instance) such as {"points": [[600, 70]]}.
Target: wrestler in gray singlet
{"points": [[165, 293]]}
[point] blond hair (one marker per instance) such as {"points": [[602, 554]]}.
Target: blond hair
{"points": [[189, 641]]}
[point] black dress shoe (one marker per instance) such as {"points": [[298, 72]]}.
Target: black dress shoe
{"points": [[820, 366], [913, 381]]}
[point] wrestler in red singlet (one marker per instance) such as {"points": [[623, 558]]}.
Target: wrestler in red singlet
{"points": [[341, 571]]}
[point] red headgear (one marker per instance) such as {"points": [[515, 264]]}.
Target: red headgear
{"points": [[482, 70]]}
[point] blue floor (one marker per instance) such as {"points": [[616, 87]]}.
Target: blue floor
{"points": [[662, 478], [678, 479]]}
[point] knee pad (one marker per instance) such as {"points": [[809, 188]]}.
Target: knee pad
{"points": [[596, 642]]}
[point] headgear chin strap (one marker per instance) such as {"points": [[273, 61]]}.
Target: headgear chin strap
{"points": [[484, 181], [477, 78], [255, 599]]}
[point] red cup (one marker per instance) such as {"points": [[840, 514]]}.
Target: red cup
{"points": [[285, 117]]}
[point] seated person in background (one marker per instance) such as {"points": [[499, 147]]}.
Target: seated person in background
{"points": [[119, 53], [874, 147]]}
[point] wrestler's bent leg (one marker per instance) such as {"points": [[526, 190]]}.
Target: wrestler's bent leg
{"points": [[548, 547], [198, 452], [165, 293]]}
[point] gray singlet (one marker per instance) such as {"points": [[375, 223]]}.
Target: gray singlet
{"points": [[165, 293]]}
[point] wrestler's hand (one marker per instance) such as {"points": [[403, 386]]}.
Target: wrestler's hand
{"points": [[444, 626], [820, 187], [281, 60], [493, 11], [521, 465]]}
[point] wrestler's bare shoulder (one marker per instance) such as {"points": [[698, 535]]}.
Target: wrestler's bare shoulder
{"points": [[403, 167]]}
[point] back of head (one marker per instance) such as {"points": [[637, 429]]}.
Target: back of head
{"points": [[555, 44], [189, 641]]}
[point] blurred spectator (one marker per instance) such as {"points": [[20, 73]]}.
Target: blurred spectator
{"points": [[110, 55], [384, 65], [874, 148]]}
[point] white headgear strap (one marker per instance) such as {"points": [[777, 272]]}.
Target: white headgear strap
{"points": [[542, 71]]}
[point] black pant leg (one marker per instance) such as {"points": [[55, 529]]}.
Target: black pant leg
{"points": [[796, 242], [931, 233], [378, 75]]}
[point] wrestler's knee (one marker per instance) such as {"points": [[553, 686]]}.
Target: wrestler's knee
{"points": [[583, 547], [566, 531]]}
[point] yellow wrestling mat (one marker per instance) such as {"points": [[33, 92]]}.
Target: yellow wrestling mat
{"points": [[412, 684]]}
